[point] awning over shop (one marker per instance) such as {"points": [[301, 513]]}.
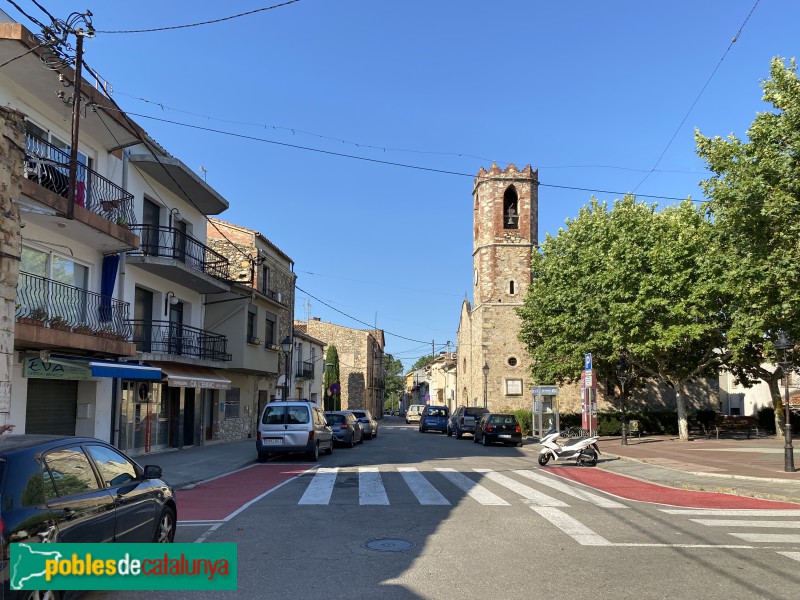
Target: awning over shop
{"points": [[58, 366], [193, 377], [103, 368]]}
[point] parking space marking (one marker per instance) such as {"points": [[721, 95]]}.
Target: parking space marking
{"points": [[422, 488], [321, 487], [474, 490]]}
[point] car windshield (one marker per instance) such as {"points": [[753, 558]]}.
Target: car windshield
{"points": [[334, 419], [437, 412], [359, 414], [283, 415], [475, 412]]}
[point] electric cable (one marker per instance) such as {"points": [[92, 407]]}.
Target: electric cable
{"points": [[10, 60]]}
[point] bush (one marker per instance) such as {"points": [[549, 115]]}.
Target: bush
{"points": [[525, 419]]}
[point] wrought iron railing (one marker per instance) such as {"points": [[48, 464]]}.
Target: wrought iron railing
{"points": [[305, 369], [49, 167], [56, 305], [168, 242], [165, 337]]}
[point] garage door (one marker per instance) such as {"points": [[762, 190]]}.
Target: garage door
{"points": [[52, 406]]}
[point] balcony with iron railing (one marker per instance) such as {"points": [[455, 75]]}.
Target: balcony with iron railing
{"points": [[274, 295], [305, 369], [176, 339], [48, 167], [176, 255], [57, 310]]}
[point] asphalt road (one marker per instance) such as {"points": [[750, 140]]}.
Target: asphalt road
{"points": [[450, 519]]}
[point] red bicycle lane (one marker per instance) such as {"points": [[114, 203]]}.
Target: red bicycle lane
{"points": [[220, 498], [643, 491]]}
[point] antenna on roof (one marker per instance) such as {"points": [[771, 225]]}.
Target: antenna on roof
{"points": [[203, 169]]}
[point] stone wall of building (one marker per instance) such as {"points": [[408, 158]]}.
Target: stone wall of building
{"points": [[12, 141]]}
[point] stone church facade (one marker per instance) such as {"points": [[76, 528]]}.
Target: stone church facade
{"points": [[493, 365]]}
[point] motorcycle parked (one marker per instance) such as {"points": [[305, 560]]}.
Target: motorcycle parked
{"points": [[583, 450]]}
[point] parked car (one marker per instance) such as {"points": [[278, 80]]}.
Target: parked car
{"points": [[498, 427], [464, 419], [77, 489], [413, 413], [346, 428], [293, 426], [368, 422], [434, 418]]}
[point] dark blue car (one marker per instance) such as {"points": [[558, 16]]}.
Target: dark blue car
{"points": [[434, 418]]}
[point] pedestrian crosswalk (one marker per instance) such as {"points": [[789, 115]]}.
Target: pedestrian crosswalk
{"points": [[441, 486], [761, 523]]}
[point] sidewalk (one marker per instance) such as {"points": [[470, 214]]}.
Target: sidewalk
{"points": [[738, 466]]}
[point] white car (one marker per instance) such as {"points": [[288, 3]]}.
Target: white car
{"points": [[367, 421], [414, 412]]}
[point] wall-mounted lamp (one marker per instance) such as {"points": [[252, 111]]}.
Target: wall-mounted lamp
{"points": [[175, 214], [170, 300]]}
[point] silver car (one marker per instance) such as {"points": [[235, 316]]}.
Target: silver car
{"points": [[287, 427], [370, 424]]}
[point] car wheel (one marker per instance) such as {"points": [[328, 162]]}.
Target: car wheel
{"points": [[165, 530], [459, 435], [43, 595], [448, 432], [330, 448], [485, 441], [474, 438], [519, 444], [314, 453], [352, 443], [375, 434], [263, 456]]}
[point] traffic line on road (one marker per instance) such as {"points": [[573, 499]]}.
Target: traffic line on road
{"points": [[370, 487], [781, 538], [792, 555], [741, 512], [735, 523], [523, 490], [571, 526], [321, 487], [595, 499], [422, 488], [475, 491]]}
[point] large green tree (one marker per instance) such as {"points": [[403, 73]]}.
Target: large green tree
{"points": [[422, 362], [629, 281], [393, 381], [755, 207]]}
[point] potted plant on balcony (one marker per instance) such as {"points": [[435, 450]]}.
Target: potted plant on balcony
{"points": [[105, 330], [84, 328], [60, 323], [36, 316], [122, 221]]}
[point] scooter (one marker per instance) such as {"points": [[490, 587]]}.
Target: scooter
{"points": [[584, 450]]}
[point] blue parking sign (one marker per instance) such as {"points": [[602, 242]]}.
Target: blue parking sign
{"points": [[587, 362]]}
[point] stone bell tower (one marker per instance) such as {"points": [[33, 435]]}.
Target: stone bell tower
{"points": [[505, 226]]}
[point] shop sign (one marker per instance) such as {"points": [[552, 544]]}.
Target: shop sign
{"points": [[35, 368]]}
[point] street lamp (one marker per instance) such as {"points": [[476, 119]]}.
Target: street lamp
{"points": [[485, 378], [286, 346], [622, 375], [783, 344]]}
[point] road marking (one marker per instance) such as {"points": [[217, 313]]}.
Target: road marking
{"points": [[204, 537], [781, 538], [739, 512], [523, 490], [475, 491], [321, 487], [735, 523], [370, 487], [571, 491], [572, 527], [792, 555], [421, 487]]}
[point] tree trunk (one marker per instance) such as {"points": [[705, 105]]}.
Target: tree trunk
{"points": [[683, 423], [777, 403]]}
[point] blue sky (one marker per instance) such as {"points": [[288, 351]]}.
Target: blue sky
{"points": [[588, 92]]}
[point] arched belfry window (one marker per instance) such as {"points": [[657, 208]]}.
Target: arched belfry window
{"points": [[510, 209]]}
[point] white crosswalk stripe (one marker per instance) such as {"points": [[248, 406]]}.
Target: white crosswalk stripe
{"points": [[321, 487], [422, 489], [370, 487], [792, 555], [565, 488], [535, 496], [475, 491], [735, 523], [773, 538]]}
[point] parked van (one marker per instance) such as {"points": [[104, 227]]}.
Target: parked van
{"points": [[413, 413], [286, 427]]}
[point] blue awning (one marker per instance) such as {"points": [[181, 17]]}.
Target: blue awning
{"points": [[102, 368]]}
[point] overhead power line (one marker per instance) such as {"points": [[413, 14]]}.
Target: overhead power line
{"points": [[209, 22]]}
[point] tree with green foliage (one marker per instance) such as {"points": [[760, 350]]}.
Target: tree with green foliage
{"points": [[629, 281], [755, 203], [422, 362], [330, 376], [394, 383]]}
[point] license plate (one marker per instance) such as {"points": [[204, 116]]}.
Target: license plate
{"points": [[274, 441], [504, 435]]}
